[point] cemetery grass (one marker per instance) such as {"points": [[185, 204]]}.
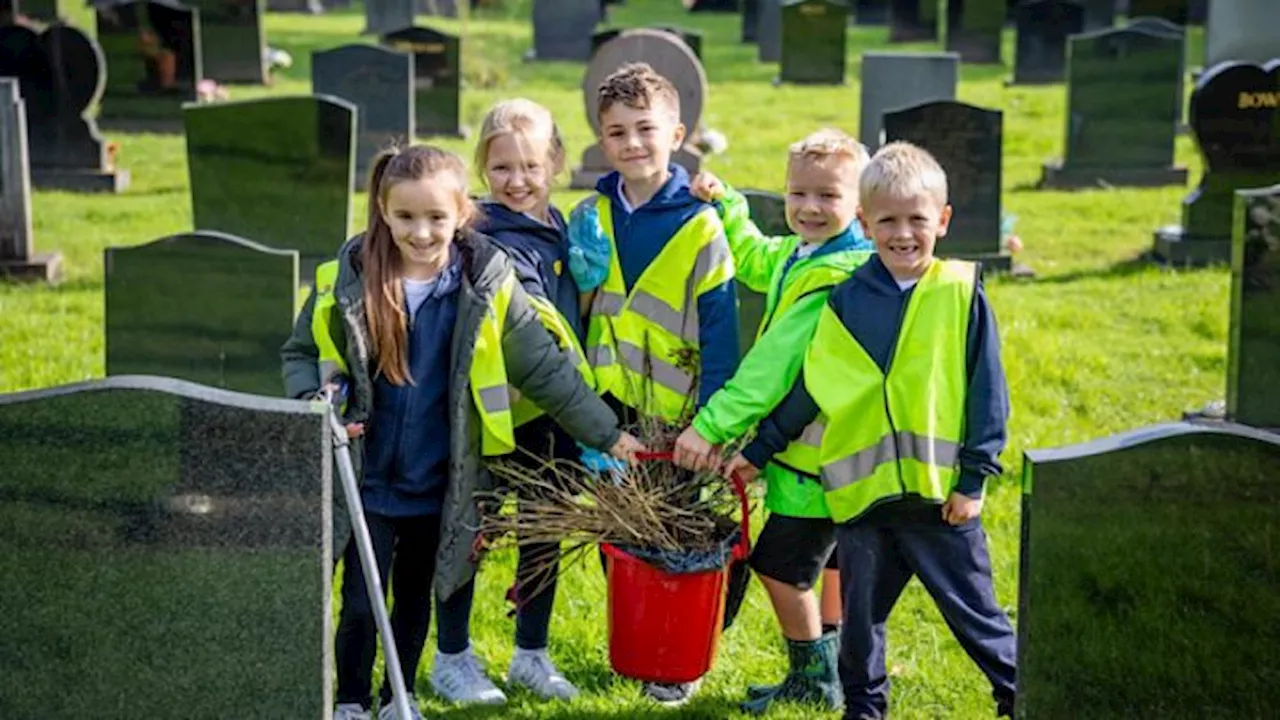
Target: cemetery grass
{"points": [[1099, 342]]}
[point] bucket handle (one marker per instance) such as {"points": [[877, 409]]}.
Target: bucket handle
{"points": [[739, 489]]}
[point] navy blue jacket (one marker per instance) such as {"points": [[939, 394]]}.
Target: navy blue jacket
{"points": [[641, 235], [871, 307], [406, 467]]}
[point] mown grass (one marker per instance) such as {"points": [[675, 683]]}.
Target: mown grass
{"points": [[1100, 341]]}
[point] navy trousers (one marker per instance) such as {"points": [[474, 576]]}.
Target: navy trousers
{"points": [[879, 553]]}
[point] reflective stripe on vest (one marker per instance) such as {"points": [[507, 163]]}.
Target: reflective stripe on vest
{"points": [[523, 409], [644, 346], [899, 434], [488, 376]]}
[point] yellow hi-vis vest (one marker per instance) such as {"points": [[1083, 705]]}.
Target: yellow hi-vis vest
{"points": [[644, 345], [488, 376], [898, 434], [522, 408]]}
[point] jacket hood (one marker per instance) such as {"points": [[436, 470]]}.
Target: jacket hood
{"points": [[850, 239], [673, 194], [494, 218]]}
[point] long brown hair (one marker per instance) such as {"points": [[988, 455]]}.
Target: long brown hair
{"points": [[383, 294]]}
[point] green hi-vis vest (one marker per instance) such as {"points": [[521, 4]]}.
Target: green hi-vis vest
{"points": [[643, 345], [896, 434], [788, 494], [488, 374], [523, 409]]}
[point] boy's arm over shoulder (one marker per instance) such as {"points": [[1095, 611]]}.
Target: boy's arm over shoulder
{"points": [[717, 303], [986, 402], [299, 356], [756, 256]]}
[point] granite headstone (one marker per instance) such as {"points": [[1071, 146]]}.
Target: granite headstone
{"points": [[913, 21], [1235, 117], [17, 254], [893, 80], [1147, 583], [1124, 97], [153, 62], [711, 6], [167, 546], [204, 307], [379, 82], [1042, 30], [813, 42], [278, 170], [750, 19], [61, 75], [1175, 11], [384, 16], [769, 31], [868, 13], [437, 79], [1244, 30], [1099, 14], [968, 142], [232, 40], [973, 29], [562, 29], [692, 38], [1253, 350]]}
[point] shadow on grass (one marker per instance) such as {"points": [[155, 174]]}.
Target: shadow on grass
{"points": [[1139, 264]]}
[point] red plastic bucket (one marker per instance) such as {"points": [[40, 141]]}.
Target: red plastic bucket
{"points": [[665, 627]]}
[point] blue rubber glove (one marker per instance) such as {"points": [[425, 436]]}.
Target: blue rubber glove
{"points": [[589, 249], [599, 463]]}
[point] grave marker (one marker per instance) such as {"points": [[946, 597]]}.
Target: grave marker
{"points": [[562, 29], [1253, 352], [17, 255], [973, 29], [1043, 28], [750, 19], [1243, 30], [437, 79], [232, 40], [913, 21], [813, 42], [152, 62], [379, 82], [870, 13], [769, 31], [893, 80], [384, 16], [1175, 11], [768, 210]]}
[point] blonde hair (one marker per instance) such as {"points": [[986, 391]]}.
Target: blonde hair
{"points": [[903, 170], [527, 118], [637, 85], [826, 145]]}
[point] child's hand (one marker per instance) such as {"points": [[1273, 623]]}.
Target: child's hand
{"points": [[626, 447], [743, 468], [694, 453], [355, 430], [960, 509], [706, 187]]}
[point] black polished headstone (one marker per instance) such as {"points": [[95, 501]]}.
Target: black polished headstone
{"points": [[1124, 97], [968, 142], [232, 40], [691, 38], [384, 16], [1099, 14], [769, 31], [1042, 30], [1148, 586], [153, 63], [913, 21], [750, 18], [1253, 351], [1235, 117], [973, 29], [1175, 11], [165, 552], [768, 210], [437, 79], [1242, 30], [205, 307], [562, 29], [813, 42], [18, 258], [278, 170], [379, 82], [892, 80], [711, 6], [868, 13], [61, 74]]}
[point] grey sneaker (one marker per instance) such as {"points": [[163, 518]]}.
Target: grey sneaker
{"points": [[388, 711], [350, 711], [672, 694], [533, 669], [460, 679]]}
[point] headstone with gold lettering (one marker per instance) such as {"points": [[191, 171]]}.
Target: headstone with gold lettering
{"points": [[1235, 117], [813, 42], [437, 78]]}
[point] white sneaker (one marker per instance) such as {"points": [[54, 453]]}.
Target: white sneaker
{"points": [[460, 679], [350, 711], [533, 669], [388, 711], [672, 694]]}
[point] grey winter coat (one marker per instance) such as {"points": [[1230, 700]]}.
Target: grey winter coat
{"points": [[535, 366]]}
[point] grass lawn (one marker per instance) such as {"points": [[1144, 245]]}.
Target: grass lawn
{"points": [[1097, 343]]}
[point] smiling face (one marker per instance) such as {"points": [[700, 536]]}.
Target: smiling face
{"points": [[638, 142], [905, 230], [822, 197], [423, 216], [518, 170]]}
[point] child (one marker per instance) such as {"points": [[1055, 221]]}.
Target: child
{"points": [[662, 329], [425, 321], [519, 153], [905, 366], [796, 273]]}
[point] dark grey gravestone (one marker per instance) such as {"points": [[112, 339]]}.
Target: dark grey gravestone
{"points": [[153, 63], [384, 16], [968, 142], [13, 12], [892, 80], [692, 38], [379, 82], [1043, 28], [711, 6], [913, 21], [1148, 585], [769, 31], [1253, 351], [232, 40], [1243, 30], [1099, 14], [750, 18], [168, 546], [813, 42], [1175, 11], [669, 57], [869, 13], [1235, 117], [437, 79], [1124, 97], [768, 210], [311, 7], [438, 8], [562, 29], [61, 74], [204, 307], [278, 170], [973, 29], [18, 258]]}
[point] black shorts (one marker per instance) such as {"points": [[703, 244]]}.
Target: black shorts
{"points": [[794, 550]]}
